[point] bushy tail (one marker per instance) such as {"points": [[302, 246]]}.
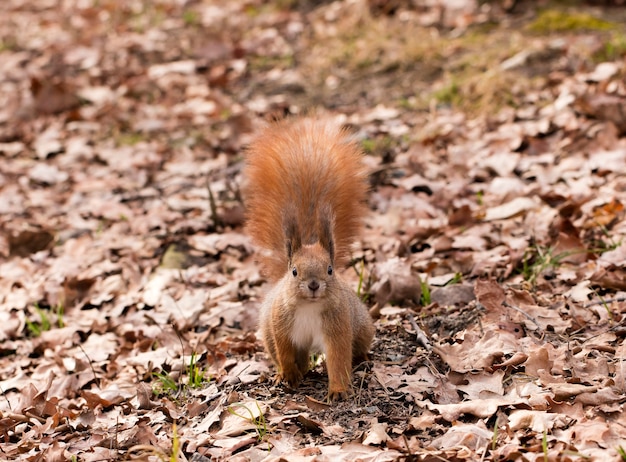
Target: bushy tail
{"points": [[305, 174]]}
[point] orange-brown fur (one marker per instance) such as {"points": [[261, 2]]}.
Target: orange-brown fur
{"points": [[279, 175], [305, 193]]}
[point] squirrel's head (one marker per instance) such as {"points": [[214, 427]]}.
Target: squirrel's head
{"points": [[311, 266], [311, 271]]}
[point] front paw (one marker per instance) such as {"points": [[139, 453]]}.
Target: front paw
{"points": [[291, 377], [339, 394]]}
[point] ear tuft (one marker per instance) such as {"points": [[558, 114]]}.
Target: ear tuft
{"points": [[293, 239], [326, 220]]}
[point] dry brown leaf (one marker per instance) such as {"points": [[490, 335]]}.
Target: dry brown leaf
{"points": [[482, 408], [105, 398], [310, 425], [597, 397], [482, 384], [241, 418], [538, 421], [28, 241], [539, 362], [604, 107], [564, 391], [396, 282], [510, 209], [376, 435], [316, 405], [455, 294], [476, 353], [469, 436], [490, 294]]}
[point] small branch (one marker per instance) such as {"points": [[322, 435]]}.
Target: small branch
{"points": [[420, 335], [91, 366], [6, 398], [36, 417], [508, 305], [604, 302], [213, 205]]}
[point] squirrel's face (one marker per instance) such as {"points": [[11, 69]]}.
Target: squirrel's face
{"points": [[312, 272]]}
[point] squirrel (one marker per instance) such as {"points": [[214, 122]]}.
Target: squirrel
{"points": [[305, 201]]}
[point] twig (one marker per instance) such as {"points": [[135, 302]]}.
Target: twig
{"points": [[382, 385], [519, 310], [36, 417], [360, 393], [604, 302], [93, 371], [213, 205], [421, 337], [410, 454], [6, 398], [17, 417], [153, 450]]}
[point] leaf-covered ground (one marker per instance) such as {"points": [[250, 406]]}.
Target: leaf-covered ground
{"points": [[493, 257]]}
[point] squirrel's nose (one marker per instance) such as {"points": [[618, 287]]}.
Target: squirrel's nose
{"points": [[314, 285]]}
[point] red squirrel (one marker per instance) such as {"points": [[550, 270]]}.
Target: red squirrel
{"points": [[305, 193]]}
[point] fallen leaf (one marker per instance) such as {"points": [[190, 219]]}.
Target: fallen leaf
{"points": [[376, 435], [538, 421], [510, 209], [241, 418], [463, 435]]}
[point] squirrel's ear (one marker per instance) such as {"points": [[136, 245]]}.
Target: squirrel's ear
{"points": [[292, 234], [326, 223]]}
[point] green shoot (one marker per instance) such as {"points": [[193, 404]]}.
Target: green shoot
{"points": [[60, 310], [480, 197], [377, 146], [195, 375], [604, 304], [600, 246], [538, 259], [45, 321], [175, 444], [191, 18], [368, 145], [259, 422], [425, 296], [622, 452], [544, 445], [150, 452], [456, 279], [166, 385], [494, 437], [35, 328], [360, 286]]}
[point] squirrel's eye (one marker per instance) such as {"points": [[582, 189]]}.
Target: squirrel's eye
{"points": [[330, 270], [294, 271]]}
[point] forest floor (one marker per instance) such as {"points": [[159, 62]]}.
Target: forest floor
{"points": [[493, 257]]}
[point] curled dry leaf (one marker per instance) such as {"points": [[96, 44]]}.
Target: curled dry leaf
{"points": [[538, 421], [464, 435], [377, 434], [510, 209], [395, 281], [241, 417]]}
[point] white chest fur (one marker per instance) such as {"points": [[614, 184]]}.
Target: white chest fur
{"points": [[307, 327]]}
